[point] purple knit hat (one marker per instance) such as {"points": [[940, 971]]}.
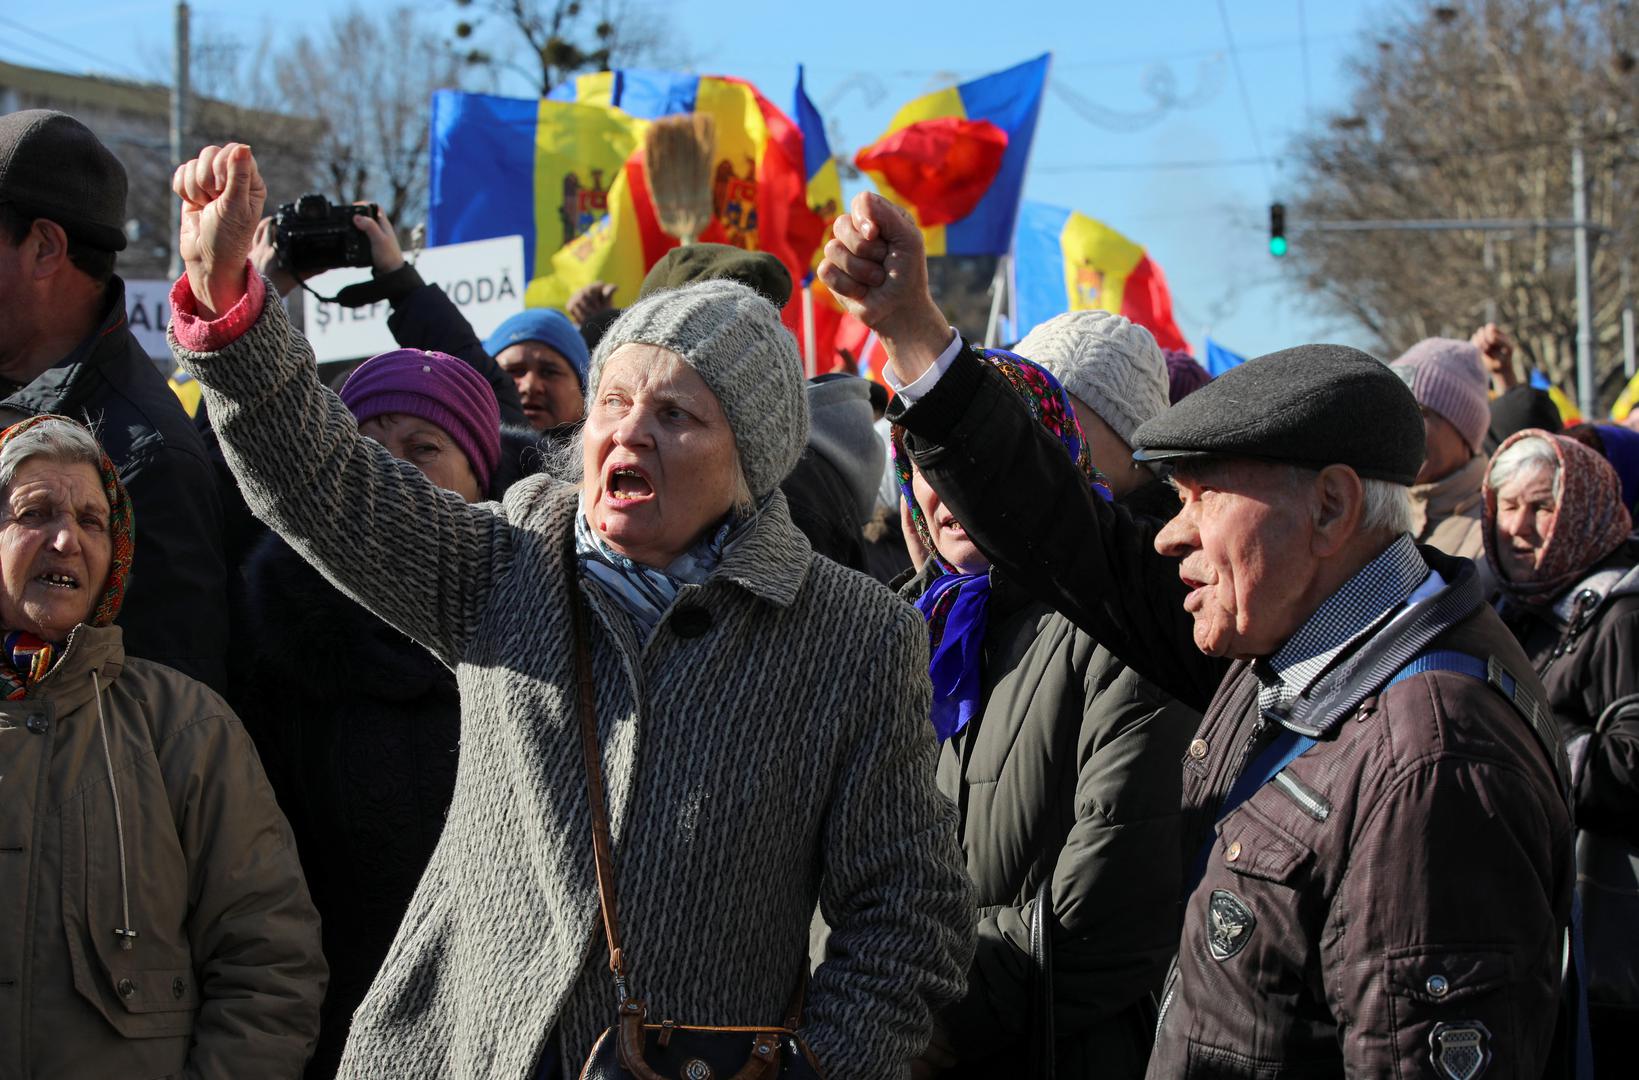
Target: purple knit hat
{"points": [[437, 388], [1448, 377], [1184, 375]]}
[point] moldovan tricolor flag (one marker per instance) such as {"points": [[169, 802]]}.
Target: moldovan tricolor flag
{"points": [[543, 169], [759, 183], [566, 172], [956, 159], [1066, 261]]}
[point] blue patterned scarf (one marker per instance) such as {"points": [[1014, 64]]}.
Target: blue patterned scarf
{"points": [[644, 592]]}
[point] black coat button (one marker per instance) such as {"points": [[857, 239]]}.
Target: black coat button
{"points": [[38, 724], [178, 988], [690, 622], [127, 988]]}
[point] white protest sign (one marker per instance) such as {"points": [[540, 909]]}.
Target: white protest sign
{"points": [[148, 310], [485, 279]]}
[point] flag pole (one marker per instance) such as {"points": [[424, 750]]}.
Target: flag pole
{"points": [[1013, 330], [810, 362], [998, 284]]}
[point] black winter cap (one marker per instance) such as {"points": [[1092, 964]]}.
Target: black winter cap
{"points": [[52, 166], [1314, 406], [704, 262]]}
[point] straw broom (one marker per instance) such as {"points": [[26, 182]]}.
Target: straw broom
{"points": [[678, 153]]}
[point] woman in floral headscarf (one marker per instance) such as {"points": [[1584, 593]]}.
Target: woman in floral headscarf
{"points": [[157, 923], [1064, 766], [1557, 537]]}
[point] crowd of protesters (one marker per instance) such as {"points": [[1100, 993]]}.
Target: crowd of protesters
{"points": [[602, 698]]}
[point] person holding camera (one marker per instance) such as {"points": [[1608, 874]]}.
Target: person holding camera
{"points": [[423, 317], [66, 348]]}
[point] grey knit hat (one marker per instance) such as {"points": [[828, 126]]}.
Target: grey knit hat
{"points": [[733, 338], [1106, 360]]}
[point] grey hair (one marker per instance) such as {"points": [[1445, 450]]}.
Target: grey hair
{"points": [[56, 440], [1387, 507], [567, 462], [1527, 455]]}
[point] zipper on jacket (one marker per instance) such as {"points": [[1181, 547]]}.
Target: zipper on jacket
{"points": [[1313, 804], [1166, 999]]}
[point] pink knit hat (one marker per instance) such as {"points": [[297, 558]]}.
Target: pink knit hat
{"points": [[1448, 377]]}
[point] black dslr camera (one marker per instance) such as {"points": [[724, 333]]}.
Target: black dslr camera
{"points": [[313, 234]]}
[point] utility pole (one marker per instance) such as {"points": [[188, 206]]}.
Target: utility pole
{"points": [[1584, 285], [1627, 318], [1490, 263], [179, 126]]}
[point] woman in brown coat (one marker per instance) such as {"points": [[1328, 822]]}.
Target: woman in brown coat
{"points": [[158, 923]]}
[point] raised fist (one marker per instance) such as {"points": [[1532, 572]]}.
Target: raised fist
{"points": [[875, 265], [222, 196]]}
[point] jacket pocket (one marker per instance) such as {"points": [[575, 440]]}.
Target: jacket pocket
{"points": [[1252, 845], [1446, 977], [1447, 1005], [149, 990]]}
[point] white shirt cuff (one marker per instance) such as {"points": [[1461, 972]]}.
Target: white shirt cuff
{"points": [[924, 382]]}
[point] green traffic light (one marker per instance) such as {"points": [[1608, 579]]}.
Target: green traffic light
{"points": [[1277, 246]]}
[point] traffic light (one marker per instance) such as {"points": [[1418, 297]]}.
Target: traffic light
{"points": [[1277, 229]]}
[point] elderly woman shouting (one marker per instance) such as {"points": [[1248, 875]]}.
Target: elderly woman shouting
{"points": [[745, 775], [157, 922]]}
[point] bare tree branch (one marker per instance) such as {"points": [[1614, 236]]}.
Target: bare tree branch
{"points": [[1472, 115]]}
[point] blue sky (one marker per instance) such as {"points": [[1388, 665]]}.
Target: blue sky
{"points": [[1190, 180]]}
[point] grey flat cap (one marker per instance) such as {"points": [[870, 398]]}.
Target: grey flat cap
{"points": [[52, 166], [1314, 406]]}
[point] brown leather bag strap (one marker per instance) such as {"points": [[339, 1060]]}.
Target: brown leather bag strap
{"points": [[602, 857]]}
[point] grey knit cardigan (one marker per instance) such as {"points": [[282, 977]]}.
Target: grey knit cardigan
{"points": [[779, 758]]}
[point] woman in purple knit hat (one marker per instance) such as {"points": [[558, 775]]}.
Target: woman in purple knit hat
{"points": [[358, 726]]}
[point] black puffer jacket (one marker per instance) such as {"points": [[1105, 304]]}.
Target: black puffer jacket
{"points": [[1586, 648], [1068, 775], [358, 728], [176, 610]]}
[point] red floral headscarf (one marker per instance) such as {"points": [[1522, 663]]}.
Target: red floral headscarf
{"points": [[25, 658], [1589, 523]]}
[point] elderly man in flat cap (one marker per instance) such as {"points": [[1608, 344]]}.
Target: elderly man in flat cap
{"points": [[66, 348], [1375, 832]]}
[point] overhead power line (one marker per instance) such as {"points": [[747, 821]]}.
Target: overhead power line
{"points": [[1240, 81], [72, 49]]}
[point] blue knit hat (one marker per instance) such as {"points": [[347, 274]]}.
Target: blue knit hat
{"points": [[551, 328]]}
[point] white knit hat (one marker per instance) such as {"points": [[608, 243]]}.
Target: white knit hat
{"points": [[733, 338], [1106, 360]]}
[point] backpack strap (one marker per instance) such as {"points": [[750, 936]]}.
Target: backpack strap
{"points": [[1491, 672]]}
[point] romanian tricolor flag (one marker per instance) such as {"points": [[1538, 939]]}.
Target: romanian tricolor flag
{"points": [[1066, 261], [566, 172], [956, 159]]}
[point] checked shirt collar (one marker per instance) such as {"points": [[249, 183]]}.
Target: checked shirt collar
{"points": [[1349, 615]]}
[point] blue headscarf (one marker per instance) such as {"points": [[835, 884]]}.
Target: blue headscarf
{"points": [[956, 605]]}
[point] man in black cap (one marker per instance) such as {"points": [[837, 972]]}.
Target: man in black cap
{"points": [[65, 347], [1376, 839]]}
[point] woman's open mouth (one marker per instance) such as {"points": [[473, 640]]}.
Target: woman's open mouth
{"points": [[627, 484], [59, 580]]}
